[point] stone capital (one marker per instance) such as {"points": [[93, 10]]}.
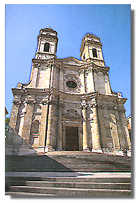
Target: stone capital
{"points": [[84, 104], [31, 102], [17, 102], [45, 101], [93, 103]]}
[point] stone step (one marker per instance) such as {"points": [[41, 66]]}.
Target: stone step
{"points": [[73, 192], [104, 179], [73, 169], [87, 185], [28, 195], [68, 161]]}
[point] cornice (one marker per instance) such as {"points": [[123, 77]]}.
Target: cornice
{"points": [[50, 30], [34, 96], [49, 37], [38, 62], [59, 64], [101, 69], [98, 44], [112, 107], [31, 91], [111, 97], [44, 53], [94, 67]]}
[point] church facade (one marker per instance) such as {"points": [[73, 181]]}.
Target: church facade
{"points": [[68, 104]]}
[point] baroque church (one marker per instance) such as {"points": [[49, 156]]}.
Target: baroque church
{"points": [[68, 104]]}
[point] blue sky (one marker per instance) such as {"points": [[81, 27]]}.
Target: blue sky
{"points": [[109, 22]]}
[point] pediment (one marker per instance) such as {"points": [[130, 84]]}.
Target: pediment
{"points": [[72, 61]]}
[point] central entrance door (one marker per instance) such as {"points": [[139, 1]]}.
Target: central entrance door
{"points": [[72, 141]]}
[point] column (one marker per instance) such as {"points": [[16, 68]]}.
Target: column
{"points": [[14, 114], [85, 136], [28, 122], [43, 124], [96, 147]]}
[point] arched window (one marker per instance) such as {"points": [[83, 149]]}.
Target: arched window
{"points": [[46, 47], [94, 52]]}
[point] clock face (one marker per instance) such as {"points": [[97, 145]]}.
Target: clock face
{"points": [[71, 84]]}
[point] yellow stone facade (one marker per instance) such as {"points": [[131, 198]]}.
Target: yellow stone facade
{"points": [[68, 104]]}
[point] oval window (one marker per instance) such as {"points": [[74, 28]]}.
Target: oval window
{"points": [[71, 84]]}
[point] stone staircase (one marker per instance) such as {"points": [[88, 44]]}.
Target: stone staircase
{"points": [[68, 174], [96, 185], [68, 161]]}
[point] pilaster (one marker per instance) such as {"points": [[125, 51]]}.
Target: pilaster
{"points": [[60, 129], [114, 132], [34, 76], [107, 84], [28, 121], [82, 81], [61, 79]]}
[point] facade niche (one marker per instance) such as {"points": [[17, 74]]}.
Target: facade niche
{"points": [[34, 131]]}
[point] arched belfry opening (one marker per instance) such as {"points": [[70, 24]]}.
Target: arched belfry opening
{"points": [[94, 52], [46, 47]]}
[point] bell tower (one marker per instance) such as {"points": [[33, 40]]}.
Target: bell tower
{"points": [[91, 49], [47, 44]]}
